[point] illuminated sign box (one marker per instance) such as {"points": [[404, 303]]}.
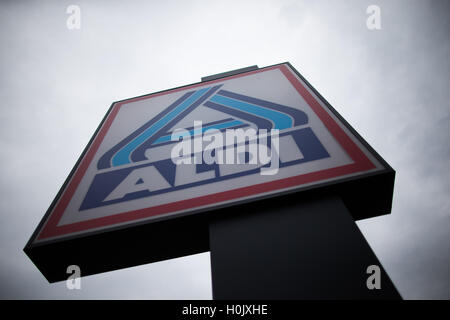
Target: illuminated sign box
{"points": [[160, 166]]}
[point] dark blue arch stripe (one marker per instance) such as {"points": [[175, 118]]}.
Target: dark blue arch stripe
{"points": [[261, 123], [300, 117], [281, 120]]}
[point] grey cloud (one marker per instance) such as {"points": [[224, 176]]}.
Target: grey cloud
{"points": [[391, 85]]}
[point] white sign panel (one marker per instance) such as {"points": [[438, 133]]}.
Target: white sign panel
{"points": [[194, 148]]}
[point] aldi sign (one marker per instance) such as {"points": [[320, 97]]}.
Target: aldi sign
{"points": [[214, 144]]}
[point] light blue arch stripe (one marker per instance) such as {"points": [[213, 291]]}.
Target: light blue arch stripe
{"points": [[223, 125], [123, 156], [281, 121]]}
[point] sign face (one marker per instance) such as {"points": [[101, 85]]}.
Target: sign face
{"points": [[212, 144]]}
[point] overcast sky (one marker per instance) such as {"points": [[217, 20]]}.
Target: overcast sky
{"points": [[392, 85]]}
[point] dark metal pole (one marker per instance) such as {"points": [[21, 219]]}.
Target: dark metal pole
{"points": [[293, 250]]}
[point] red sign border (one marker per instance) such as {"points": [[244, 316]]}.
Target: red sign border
{"points": [[361, 163]]}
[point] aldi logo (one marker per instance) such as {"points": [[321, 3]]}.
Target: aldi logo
{"points": [[144, 163], [240, 138]]}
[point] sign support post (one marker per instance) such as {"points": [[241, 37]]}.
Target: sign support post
{"points": [[293, 250]]}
